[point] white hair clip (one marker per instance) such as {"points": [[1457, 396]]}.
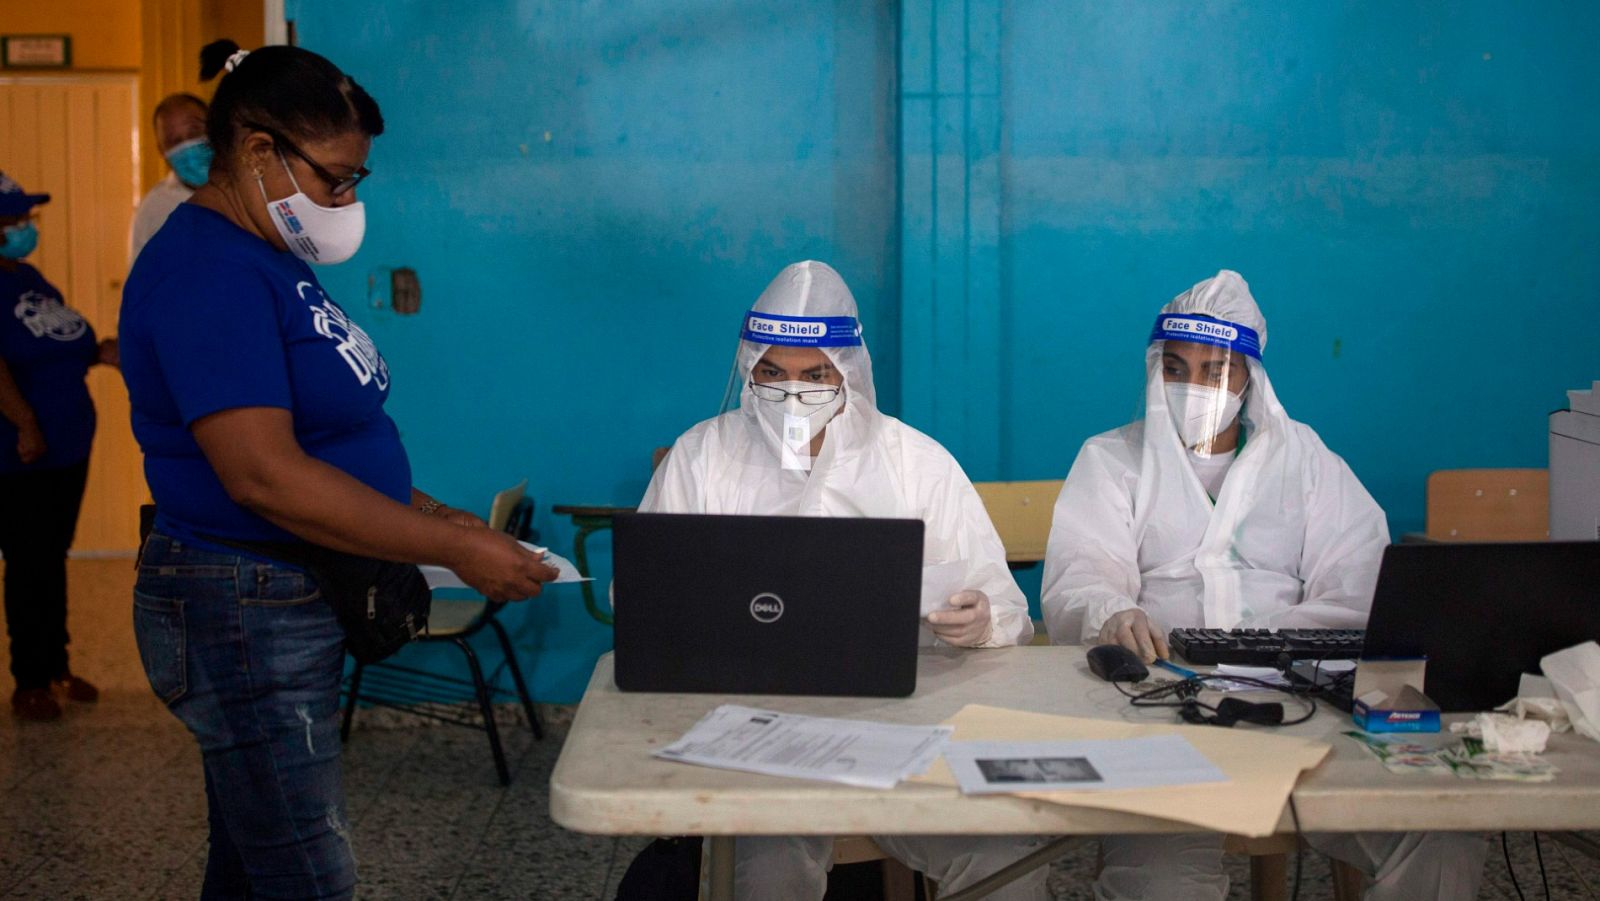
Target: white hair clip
{"points": [[234, 60]]}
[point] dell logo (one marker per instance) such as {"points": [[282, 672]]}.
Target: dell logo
{"points": [[766, 607]]}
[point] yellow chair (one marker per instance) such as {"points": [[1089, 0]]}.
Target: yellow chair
{"points": [[1489, 505], [1021, 514]]}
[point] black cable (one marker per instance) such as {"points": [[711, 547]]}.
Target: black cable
{"points": [[1187, 693], [1299, 849], [1543, 876], [1505, 846]]}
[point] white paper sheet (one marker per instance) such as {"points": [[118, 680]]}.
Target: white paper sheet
{"points": [[987, 768], [939, 582], [1267, 674], [438, 577], [854, 752]]}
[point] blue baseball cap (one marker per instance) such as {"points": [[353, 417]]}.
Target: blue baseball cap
{"points": [[14, 201]]}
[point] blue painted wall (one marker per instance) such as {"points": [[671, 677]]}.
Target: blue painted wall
{"points": [[592, 193], [1409, 188]]}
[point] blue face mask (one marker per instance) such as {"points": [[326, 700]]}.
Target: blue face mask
{"points": [[20, 240], [192, 161]]}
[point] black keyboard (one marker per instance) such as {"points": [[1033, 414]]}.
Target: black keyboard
{"points": [[1264, 647]]}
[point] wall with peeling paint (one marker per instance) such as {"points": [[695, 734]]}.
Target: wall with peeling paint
{"points": [[593, 192]]}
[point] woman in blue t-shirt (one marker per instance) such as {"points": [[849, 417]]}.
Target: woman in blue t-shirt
{"points": [[46, 427], [259, 406]]}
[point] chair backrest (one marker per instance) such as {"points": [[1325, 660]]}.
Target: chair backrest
{"points": [[1489, 505], [1021, 513], [505, 502], [656, 456]]}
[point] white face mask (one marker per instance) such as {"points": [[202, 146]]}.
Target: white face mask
{"points": [[1201, 412], [796, 423], [315, 233]]}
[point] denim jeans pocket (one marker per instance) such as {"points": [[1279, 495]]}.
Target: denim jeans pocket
{"points": [[158, 629], [267, 585]]}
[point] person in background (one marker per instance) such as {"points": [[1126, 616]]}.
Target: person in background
{"points": [[180, 130], [1216, 510], [801, 435], [46, 429], [258, 404]]}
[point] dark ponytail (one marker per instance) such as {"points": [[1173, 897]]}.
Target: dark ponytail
{"points": [[287, 89], [214, 56]]}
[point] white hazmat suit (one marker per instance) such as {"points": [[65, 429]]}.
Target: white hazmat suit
{"points": [[754, 459], [1292, 540]]}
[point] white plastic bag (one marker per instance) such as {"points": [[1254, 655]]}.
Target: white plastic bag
{"points": [[1575, 675]]}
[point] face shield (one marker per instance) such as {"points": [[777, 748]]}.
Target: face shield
{"points": [[801, 370], [1200, 370]]}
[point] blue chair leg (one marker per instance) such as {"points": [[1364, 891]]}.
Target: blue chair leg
{"points": [[484, 704], [350, 705], [516, 676]]}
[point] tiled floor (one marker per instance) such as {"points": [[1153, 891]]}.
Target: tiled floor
{"points": [[108, 804]]}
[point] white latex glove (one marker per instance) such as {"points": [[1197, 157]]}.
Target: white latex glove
{"points": [[965, 622], [1134, 630]]}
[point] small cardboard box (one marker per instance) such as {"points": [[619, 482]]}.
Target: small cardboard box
{"points": [[1408, 711], [1388, 697]]}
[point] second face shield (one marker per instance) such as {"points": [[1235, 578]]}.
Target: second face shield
{"points": [[1204, 369]]}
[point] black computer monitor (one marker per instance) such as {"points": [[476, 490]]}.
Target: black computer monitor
{"points": [[1483, 614]]}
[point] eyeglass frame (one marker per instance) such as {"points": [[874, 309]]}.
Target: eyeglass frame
{"points": [[831, 390], [337, 187]]}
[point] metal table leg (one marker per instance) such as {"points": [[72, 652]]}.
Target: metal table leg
{"points": [[720, 860]]}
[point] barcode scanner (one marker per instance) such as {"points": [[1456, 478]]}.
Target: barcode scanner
{"points": [[1115, 663]]}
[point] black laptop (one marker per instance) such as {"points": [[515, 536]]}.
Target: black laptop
{"points": [[1483, 614], [767, 604]]}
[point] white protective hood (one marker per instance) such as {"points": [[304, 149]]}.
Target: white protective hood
{"points": [[1293, 539]]}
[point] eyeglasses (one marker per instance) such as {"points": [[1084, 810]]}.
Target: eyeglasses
{"points": [[811, 397], [338, 186]]}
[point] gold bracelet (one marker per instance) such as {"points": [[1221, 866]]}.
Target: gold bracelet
{"points": [[429, 507]]}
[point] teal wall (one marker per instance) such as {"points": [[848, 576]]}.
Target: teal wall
{"points": [[592, 193], [1410, 189]]}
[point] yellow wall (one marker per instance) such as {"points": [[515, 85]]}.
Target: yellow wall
{"points": [[160, 39], [105, 33]]}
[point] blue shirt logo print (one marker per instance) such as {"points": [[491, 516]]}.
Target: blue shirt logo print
{"points": [[354, 345], [46, 317]]}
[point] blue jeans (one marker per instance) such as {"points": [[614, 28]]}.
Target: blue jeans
{"points": [[248, 656]]}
